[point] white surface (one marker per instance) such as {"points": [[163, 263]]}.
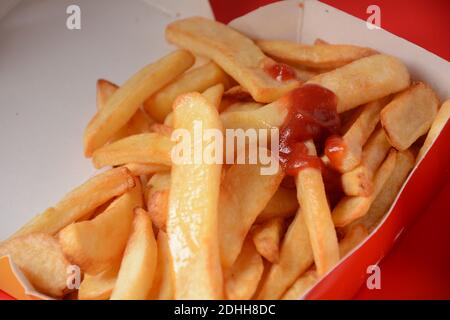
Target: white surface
{"points": [[47, 88]]}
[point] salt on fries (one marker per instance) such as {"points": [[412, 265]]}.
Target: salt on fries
{"points": [[151, 227]]}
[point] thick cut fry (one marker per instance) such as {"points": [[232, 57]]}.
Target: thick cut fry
{"points": [[214, 94], [358, 182], [283, 204], [351, 208], [233, 52], [142, 148], [192, 224], [238, 209], [142, 169], [267, 237], [80, 202], [158, 199], [124, 103], [237, 93], [438, 124], [354, 236], [409, 115], [301, 286], [99, 286], [313, 201], [96, 244], [105, 89], [162, 288], [295, 258], [41, 260], [319, 56], [198, 79], [242, 279], [138, 266], [364, 80]]}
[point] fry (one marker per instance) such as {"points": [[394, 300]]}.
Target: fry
{"points": [[364, 80], [198, 79], [158, 199], [267, 237], [237, 209], [358, 182], [237, 93], [351, 208], [124, 103], [41, 260], [242, 279], [142, 169], [192, 224], [409, 115], [301, 285], [80, 202], [214, 94], [137, 269], [142, 148], [105, 89], [162, 129], [233, 52], [354, 236], [436, 127], [99, 286], [320, 56], [283, 204], [162, 288], [96, 244], [242, 106], [313, 201]]}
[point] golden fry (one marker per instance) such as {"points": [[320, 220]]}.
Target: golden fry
{"points": [[282, 205], [267, 237], [301, 285], [162, 288], [99, 286]]}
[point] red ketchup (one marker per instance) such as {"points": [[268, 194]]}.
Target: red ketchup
{"points": [[279, 71]]}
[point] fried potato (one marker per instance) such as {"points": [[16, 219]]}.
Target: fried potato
{"points": [[192, 225], [142, 148], [80, 202], [242, 279], [301, 285], [409, 115], [96, 244], [162, 287], [436, 127], [351, 208], [358, 182], [162, 129], [320, 56], [138, 266], [198, 79], [98, 286], [233, 52], [242, 106], [295, 258], [238, 210], [354, 236], [105, 89], [124, 103], [214, 94], [364, 80], [267, 237], [237, 93], [142, 169], [313, 201], [158, 199], [41, 260], [283, 204]]}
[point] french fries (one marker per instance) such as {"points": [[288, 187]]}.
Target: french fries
{"points": [[80, 202], [192, 224], [138, 266], [242, 279], [354, 236], [409, 115], [214, 94], [282, 205], [98, 286], [321, 56], [233, 52], [198, 79], [41, 260], [267, 238], [96, 244], [143, 169], [162, 287], [126, 100], [301, 285], [158, 199]]}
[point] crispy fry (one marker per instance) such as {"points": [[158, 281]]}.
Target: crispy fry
{"points": [[233, 52], [301, 285], [351, 208], [283, 204], [409, 115], [99, 286], [41, 260], [267, 237], [354, 236], [319, 56], [242, 279], [198, 79], [162, 288], [162, 129], [142, 148], [96, 244], [140, 169], [364, 80], [124, 103], [158, 199], [237, 93], [192, 224], [138, 266], [80, 202], [105, 89], [436, 127], [237, 209]]}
